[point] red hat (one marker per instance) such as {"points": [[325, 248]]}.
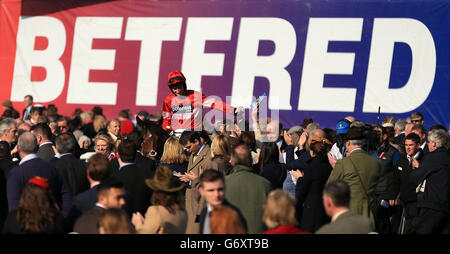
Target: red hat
{"points": [[176, 77], [40, 181]]}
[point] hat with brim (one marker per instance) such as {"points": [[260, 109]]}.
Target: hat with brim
{"points": [[164, 180], [354, 133]]}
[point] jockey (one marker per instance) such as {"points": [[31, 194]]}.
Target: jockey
{"points": [[182, 109]]}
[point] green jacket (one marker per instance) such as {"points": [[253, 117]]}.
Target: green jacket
{"points": [[248, 192], [369, 170]]}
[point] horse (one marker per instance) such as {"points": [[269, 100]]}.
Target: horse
{"points": [[153, 138]]}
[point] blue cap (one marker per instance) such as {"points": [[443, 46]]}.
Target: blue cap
{"points": [[342, 127]]}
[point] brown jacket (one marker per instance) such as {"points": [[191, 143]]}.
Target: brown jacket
{"points": [[194, 202]]}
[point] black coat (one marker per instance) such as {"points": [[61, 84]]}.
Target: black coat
{"points": [[133, 178], [401, 182], [388, 157], [435, 168], [309, 209], [142, 162], [275, 173], [73, 172], [46, 152]]}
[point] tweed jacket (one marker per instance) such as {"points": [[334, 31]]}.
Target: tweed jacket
{"points": [[194, 201], [369, 170]]}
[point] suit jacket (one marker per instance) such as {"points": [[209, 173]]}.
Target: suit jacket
{"points": [[88, 223], [133, 178], [46, 152], [347, 223], [73, 172], [309, 208], [20, 175], [248, 192], [194, 202], [369, 170], [142, 162], [81, 203]]}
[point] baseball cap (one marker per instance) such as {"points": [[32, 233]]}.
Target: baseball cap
{"points": [[342, 126]]}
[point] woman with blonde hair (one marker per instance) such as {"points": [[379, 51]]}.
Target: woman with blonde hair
{"points": [[104, 144], [115, 221], [221, 154], [279, 213], [173, 156], [99, 123]]}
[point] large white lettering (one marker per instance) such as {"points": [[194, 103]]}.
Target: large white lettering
{"points": [[195, 62], [27, 57], [249, 65], [84, 59], [387, 31], [151, 32], [317, 62]]}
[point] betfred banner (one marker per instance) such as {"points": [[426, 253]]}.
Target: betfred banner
{"points": [[317, 59]]}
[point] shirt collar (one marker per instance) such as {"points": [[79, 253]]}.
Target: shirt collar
{"points": [[27, 158], [100, 205], [48, 142], [126, 164], [359, 148], [201, 148], [338, 214], [423, 145]]}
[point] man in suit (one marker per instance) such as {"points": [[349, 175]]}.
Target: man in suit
{"points": [[30, 166], [402, 185], [8, 131], [43, 134], [212, 189], [71, 169], [133, 177], [399, 139], [360, 170], [28, 101], [336, 200], [97, 171], [247, 190], [432, 177], [200, 157], [422, 133], [110, 194]]}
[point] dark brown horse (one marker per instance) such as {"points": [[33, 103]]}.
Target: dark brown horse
{"points": [[154, 137]]}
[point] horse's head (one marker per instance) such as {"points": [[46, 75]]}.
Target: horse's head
{"points": [[154, 137]]}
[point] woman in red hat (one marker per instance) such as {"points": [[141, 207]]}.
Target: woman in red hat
{"points": [[37, 213]]}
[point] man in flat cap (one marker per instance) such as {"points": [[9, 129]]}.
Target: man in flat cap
{"points": [[361, 172]]}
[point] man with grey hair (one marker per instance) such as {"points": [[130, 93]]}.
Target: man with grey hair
{"points": [[432, 175], [399, 139], [29, 167], [71, 169], [8, 131], [360, 170]]}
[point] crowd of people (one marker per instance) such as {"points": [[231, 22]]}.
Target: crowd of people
{"points": [[87, 174]]}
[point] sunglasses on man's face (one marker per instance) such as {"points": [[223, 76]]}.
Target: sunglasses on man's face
{"points": [[415, 121]]}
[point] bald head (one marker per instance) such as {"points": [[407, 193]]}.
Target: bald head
{"points": [[27, 143], [316, 133], [350, 118]]}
